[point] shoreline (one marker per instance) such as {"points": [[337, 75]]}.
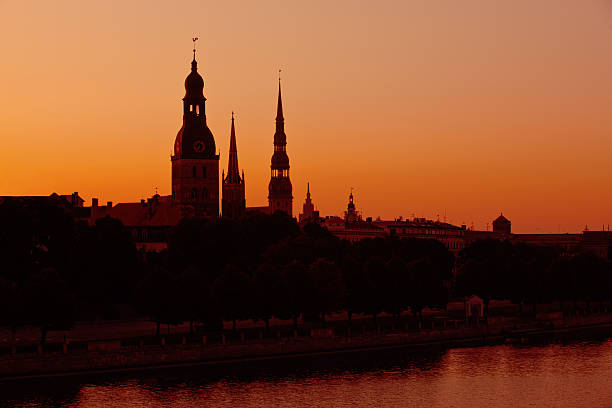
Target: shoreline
{"points": [[147, 358]]}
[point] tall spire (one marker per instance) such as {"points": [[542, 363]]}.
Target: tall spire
{"points": [[233, 174], [279, 108], [308, 190]]}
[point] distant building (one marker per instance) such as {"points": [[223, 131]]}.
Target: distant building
{"points": [[280, 190], [148, 221], [233, 198], [597, 242], [502, 225], [308, 211], [353, 228]]}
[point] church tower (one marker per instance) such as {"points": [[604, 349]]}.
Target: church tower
{"points": [[233, 202], [195, 164], [280, 196]]}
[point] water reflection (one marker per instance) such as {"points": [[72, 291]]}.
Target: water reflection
{"points": [[553, 375]]}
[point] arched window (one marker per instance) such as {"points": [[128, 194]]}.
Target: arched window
{"points": [[203, 171], [194, 194], [204, 194], [193, 171]]}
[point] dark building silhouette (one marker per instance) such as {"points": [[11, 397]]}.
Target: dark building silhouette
{"points": [[351, 214], [308, 211], [502, 225], [233, 201], [195, 164], [280, 196]]}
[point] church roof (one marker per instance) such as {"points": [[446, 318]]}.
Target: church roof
{"points": [[156, 212], [501, 219]]}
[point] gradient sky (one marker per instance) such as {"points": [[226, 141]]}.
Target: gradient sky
{"points": [[425, 107]]}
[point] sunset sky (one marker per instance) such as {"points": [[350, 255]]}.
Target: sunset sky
{"points": [[425, 107]]}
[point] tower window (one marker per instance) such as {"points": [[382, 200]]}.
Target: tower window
{"points": [[204, 194], [203, 171], [197, 109], [194, 194], [193, 171]]}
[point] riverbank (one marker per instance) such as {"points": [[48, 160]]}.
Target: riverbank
{"points": [[111, 357]]}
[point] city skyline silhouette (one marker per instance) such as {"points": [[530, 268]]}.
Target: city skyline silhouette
{"points": [[466, 110]]}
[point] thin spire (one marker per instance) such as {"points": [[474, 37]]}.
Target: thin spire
{"points": [[233, 173], [308, 190], [233, 136], [279, 108]]}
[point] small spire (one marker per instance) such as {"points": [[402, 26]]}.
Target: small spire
{"points": [[194, 63], [308, 190]]}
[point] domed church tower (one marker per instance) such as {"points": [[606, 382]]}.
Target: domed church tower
{"points": [[195, 164], [280, 196]]}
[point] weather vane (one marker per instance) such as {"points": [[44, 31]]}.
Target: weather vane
{"points": [[194, 39]]}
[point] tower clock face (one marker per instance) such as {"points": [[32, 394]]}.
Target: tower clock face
{"points": [[199, 146]]}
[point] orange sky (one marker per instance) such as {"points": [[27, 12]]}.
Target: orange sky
{"points": [[424, 107]]}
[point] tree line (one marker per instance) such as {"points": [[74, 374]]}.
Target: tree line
{"points": [[56, 270]]}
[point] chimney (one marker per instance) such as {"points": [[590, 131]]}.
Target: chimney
{"points": [[109, 204], [94, 202]]}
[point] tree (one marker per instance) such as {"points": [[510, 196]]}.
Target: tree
{"points": [[157, 296], [300, 290], [375, 272], [195, 302], [395, 286], [105, 270], [329, 291], [269, 293], [357, 285], [232, 290], [48, 301], [11, 307], [484, 268]]}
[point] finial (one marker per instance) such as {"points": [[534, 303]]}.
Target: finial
{"points": [[194, 39], [155, 190], [279, 77], [232, 115]]}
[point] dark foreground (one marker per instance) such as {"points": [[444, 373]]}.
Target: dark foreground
{"points": [[545, 374]]}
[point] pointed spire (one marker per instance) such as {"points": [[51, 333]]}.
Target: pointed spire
{"points": [[233, 173], [279, 108], [233, 136], [308, 190]]}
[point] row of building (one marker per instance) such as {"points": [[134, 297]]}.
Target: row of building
{"points": [[195, 192]]}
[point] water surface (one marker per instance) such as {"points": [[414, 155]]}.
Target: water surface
{"points": [[550, 375]]}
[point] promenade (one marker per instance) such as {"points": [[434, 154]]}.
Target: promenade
{"points": [[120, 355]]}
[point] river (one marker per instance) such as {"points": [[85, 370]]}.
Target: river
{"points": [[577, 374]]}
